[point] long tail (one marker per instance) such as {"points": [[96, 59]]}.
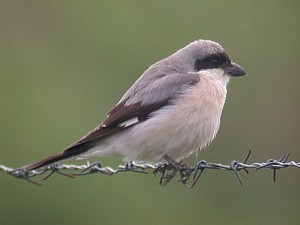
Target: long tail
{"points": [[79, 147], [69, 153], [44, 162]]}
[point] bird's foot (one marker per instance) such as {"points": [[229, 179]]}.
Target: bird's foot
{"points": [[175, 167]]}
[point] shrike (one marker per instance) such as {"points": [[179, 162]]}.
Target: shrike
{"points": [[172, 111]]}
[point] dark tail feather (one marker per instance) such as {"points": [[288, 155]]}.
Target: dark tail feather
{"points": [[79, 147], [47, 161], [70, 152]]}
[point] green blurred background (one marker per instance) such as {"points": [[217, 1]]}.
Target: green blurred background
{"points": [[65, 63]]}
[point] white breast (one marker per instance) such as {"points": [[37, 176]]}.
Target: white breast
{"points": [[180, 129]]}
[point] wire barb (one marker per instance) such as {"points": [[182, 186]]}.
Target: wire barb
{"points": [[167, 170]]}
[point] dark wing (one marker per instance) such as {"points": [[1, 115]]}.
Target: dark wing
{"points": [[116, 118]]}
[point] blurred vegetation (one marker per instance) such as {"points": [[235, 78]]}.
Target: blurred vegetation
{"points": [[65, 63]]}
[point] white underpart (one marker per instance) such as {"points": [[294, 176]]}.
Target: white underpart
{"points": [[178, 130]]}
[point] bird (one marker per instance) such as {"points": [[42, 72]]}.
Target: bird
{"points": [[172, 111]]}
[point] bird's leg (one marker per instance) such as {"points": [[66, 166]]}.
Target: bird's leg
{"points": [[175, 167], [162, 168], [172, 162], [184, 171]]}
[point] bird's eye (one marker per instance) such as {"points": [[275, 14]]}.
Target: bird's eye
{"points": [[212, 62], [215, 61]]}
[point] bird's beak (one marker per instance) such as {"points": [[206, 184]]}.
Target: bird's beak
{"points": [[235, 70]]}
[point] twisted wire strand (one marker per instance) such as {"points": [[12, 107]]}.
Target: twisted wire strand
{"points": [[168, 171]]}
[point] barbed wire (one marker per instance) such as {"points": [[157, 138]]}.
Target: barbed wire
{"points": [[168, 170]]}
